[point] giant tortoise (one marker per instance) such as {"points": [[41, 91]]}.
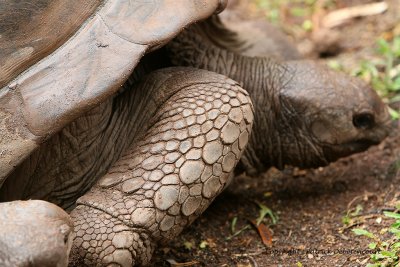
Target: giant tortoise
{"points": [[135, 157]]}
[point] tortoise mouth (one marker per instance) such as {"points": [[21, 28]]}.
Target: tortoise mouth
{"points": [[372, 137], [334, 152], [358, 145]]}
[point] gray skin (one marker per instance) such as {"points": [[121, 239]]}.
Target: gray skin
{"points": [[147, 162], [317, 115]]}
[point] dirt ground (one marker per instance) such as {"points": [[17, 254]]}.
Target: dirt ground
{"points": [[309, 204]]}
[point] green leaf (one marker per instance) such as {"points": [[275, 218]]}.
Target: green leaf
{"points": [[395, 245], [267, 194], [264, 211], [390, 254], [372, 245], [371, 67], [188, 245], [394, 230], [310, 2], [385, 244], [273, 16], [396, 46], [396, 225], [346, 220], [363, 232], [307, 25], [233, 225], [394, 114], [335, 65], [357, 211], [383, 46], [393, 215], [395, 85], [395, 99], [299, 12], [203, 244], [377, 257]]}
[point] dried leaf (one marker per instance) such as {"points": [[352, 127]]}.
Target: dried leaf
{"points": [[264, 232]]}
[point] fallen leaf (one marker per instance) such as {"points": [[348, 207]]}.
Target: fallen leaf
{"points": [[264, 233]]}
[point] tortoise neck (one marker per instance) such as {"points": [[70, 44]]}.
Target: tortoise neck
{"points": [[261, 77]]}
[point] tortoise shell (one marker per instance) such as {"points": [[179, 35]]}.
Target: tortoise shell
{"points": [[61, 58]]}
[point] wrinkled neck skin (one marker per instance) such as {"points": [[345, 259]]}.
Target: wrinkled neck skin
{"points": [[271, 142], [255, 75], [262, 78]]}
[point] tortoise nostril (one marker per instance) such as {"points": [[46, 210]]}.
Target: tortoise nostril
{"points": [[363, 120]]}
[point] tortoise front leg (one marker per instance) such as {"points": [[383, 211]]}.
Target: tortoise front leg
{"points": [[170, 175]]}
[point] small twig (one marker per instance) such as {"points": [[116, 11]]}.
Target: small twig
{"points": [[238, 232], [248, 254], [365, 195], [253, 261], [289, 235], [352, 201], [174, 263], [340, 16], [360, 220]]}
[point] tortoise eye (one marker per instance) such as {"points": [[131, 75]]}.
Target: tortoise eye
{"points": [[363, 121]]}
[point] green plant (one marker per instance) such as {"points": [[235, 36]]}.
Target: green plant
{"points": [[302, 9], [383, 72], [263, 213], [203, 244], [351, 216], [271, 9], [386, 244], [189, 245], [235, 232]]}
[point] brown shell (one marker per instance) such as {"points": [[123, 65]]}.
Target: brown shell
{"points": [[105, 41], [30, 30]]}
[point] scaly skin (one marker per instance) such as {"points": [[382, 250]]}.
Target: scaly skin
{"points": [[166, 179], [306, 115]]}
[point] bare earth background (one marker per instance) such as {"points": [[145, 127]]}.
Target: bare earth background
{"points": [[309, 204]]}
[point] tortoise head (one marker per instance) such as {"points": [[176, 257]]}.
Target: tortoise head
{"points": [[334, 115]]}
